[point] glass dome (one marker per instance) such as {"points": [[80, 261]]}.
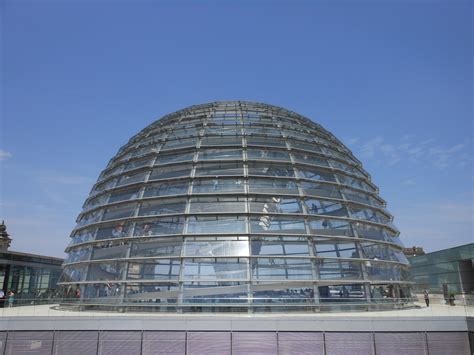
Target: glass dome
{"points": [[235, 206]]}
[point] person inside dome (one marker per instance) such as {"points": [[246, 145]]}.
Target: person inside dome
{"points": [[118, 231], [146, 229]]}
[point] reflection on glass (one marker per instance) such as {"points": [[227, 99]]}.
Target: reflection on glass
{"points": [[100, 200], [217, 204], [89, 218], [179, 143], [106, 173], [310, 159], [270, 169], [315, 174], [280, 246], [292, 134], [221, 141], [333, 249], [118, 230], [152, 293], [229, 129], [275, 224], [273, 186], [124, 195], [348, 168], [216, 224], [157, 247], [160, 269], [279, 268], [217, 292], [145, 150], [353, 182], [168, 206], [134, 164], [166, 189], [77, 255], [266, 141], [105, 271], [280, 294], [168, 172], [103, 290], [82, 236], [344, 157], [259, 130], [369, 215], [328, 208], [275, 205], [110, 251], [380, 271], [132, 178], [342, 293], [216, 154], [357, 196], [174, 158], [160, 226], [369, 231], [219, 169], [183, 133], [312, 147], [227, 123], [217, 247], [328, 226], [320, 189], [218, 185], [267, 154], [215, 269], [73, 273], [382, 252], [339, 269], [121, 211]]}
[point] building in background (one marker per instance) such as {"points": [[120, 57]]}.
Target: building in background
{"points": [[236, 206], [445, 271], [31, 277], [413, 251]]}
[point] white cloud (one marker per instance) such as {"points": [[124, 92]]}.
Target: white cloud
{"points": [[408, 148], [369, 148], [4, 155], [442, 157]]}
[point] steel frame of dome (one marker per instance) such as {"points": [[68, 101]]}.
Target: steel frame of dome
{"points": [[235, 206]]}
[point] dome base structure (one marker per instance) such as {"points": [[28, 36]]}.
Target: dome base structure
{"points": [[235, 207]]}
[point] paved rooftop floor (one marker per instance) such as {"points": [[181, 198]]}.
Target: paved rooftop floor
{"points": [[435, 310], [421, 319]]}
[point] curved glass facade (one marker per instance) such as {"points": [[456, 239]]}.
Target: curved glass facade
{"points": [[235, 206]]}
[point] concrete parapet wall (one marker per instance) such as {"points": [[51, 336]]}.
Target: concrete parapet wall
{"points": [[241, 323], [245, 342], [434, 330]]}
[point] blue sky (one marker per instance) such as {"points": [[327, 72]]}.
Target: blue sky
{"points": [[391, 79]]}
